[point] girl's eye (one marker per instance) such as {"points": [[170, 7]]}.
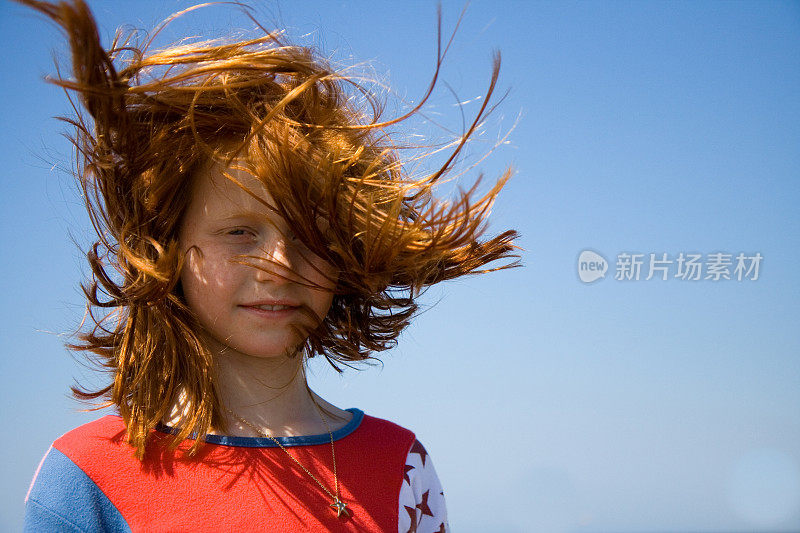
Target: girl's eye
{"points": [[239, 232]]}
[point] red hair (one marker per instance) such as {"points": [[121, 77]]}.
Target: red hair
{"points": [[153, 118]]}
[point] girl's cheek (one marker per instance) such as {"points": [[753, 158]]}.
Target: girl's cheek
{"points": [[201, 266]]}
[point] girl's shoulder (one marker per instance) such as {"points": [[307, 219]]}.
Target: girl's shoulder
{"points": [[86, 437], [62, 495], [384, 430]]}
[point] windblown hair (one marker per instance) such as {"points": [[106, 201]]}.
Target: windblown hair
{"points": [[156, 117]]}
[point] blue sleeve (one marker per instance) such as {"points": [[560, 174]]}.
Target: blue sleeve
{"points": [[62, 498]]}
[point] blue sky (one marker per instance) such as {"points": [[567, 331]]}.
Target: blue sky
{"points": [[547, 404]]}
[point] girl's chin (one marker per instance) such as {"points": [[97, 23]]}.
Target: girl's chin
{"points": [[275, 346], [280, 350]]}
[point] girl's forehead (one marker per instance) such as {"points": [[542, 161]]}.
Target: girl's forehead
{"points": [[219, 188]]}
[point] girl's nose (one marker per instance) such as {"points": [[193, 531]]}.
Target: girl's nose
{"points": [[276, 263]]}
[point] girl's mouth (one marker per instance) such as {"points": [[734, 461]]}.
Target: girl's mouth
{"points": [[271, 307]]}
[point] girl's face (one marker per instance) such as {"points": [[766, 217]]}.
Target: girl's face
{"points": [[261, 313]]}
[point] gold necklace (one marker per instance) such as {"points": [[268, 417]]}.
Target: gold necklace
{"points": [[338, 505]]}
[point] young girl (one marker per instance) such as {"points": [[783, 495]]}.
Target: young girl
{"points": [[252, 212]]}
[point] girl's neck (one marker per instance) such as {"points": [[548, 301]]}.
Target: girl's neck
{"points": [[271, 394]]}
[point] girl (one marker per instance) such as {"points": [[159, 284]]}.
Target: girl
{"points": [[252, 212]]}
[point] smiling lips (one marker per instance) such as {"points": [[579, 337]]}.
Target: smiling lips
{"points": [[272, 309]]}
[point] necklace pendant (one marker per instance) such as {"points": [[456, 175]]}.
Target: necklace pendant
{"points": [[340, 507]]}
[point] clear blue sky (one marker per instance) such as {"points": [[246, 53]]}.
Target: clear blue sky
{"points": [[547, 404]]}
